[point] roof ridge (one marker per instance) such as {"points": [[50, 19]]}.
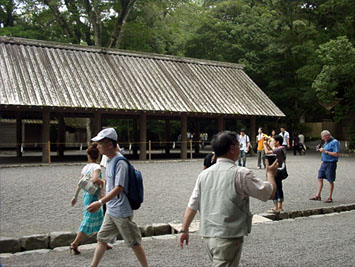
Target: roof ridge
{"points": [[115, 51]]}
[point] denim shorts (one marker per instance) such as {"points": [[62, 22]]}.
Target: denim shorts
{"points": [[327, 171]]}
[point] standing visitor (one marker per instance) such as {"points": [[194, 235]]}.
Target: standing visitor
{"points": [[244, 142], [224, 209], [209, 160], [91, 221], [302, 143], [119, 214], [296, 144], [286, 137], [279, 150], [260, 147], [330, 154], [273, 133]]}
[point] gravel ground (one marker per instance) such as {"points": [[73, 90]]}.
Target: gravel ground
{"points": [[36, 200], [300, 242]]}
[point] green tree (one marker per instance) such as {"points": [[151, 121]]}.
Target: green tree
{"points": [[7, 14], [336, 82], [93, 22]]}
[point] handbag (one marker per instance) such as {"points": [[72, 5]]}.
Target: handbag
{"points": [[86, 184], [282, 172]]}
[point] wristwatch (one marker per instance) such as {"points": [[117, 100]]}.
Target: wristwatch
{"points": [[101, 204]]}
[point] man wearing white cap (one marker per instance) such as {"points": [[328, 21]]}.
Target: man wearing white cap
{"points": [[118, 217]]}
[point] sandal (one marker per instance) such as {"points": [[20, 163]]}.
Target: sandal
{"points": [[275, 211], [329, 200], [74, 250], [315, 198]]}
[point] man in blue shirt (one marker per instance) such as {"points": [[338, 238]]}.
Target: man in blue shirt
{"points": [[119, 214], [330, 154]]}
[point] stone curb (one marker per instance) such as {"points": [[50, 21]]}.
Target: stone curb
{"points": [[309, 212], [60, 239], [56, 240]]}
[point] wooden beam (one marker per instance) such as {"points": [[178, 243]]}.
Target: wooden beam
{"points": [[197, 136], [143, 136], [252, 126], [97, 123], [19, 134], [61, 135], [135, 136], [183, 153], [220, 123], [167, 136], [45, 135]]}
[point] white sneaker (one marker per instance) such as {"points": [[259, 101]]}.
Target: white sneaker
{"points": [[259, 168]]}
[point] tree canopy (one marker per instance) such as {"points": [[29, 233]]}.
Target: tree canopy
{"points": [[301, 53]]}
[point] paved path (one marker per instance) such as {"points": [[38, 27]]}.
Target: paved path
{"points": [[321, 240], [36, 200]]}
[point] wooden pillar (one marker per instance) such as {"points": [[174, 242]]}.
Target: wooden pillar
{"points": [[183, 153], [61, 136], [135, 136], [167, 137], [220, 124], [97, 124], [88, 131], [18, 135], [45, 135], [143, 136], [252, 131], [197, 136]]}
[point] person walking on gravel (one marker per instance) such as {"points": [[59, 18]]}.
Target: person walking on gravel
{"points": [[330, 154], [92, 221], [119, 213], [221, 194]]}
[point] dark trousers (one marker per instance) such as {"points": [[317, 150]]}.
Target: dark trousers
{"points": [[279, 194]]}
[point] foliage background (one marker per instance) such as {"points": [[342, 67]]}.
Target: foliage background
{"points": [[301, 53]]}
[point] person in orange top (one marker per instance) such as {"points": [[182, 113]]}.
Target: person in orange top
{"points": [[260, 149]]}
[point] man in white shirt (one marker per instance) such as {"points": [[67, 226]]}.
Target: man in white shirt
{"points": [[244, 142], [224, 209], [286, 137]]}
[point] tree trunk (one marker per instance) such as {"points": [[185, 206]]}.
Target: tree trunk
{"points": [[62, 22], [95, 19], [118, 31]]}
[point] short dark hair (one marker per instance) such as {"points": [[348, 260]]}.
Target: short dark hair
{"points": [[279, 138], [222, 141], [108, 140]]}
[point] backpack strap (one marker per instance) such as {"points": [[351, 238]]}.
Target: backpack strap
{"points": [[116, 160]]}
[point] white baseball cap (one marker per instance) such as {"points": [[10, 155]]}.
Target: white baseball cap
{"points": [[109, 133]]}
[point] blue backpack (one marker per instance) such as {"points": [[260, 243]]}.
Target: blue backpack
{"points": [[135, 189]]}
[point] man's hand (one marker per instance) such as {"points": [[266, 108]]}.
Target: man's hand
{"points": [[183, 237], [94, 206]]}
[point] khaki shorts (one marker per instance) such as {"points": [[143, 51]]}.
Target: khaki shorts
{"points": [[112, 226], [224, 251]]}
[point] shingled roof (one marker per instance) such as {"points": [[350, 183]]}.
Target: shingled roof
{"points": [[39, 74]]}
